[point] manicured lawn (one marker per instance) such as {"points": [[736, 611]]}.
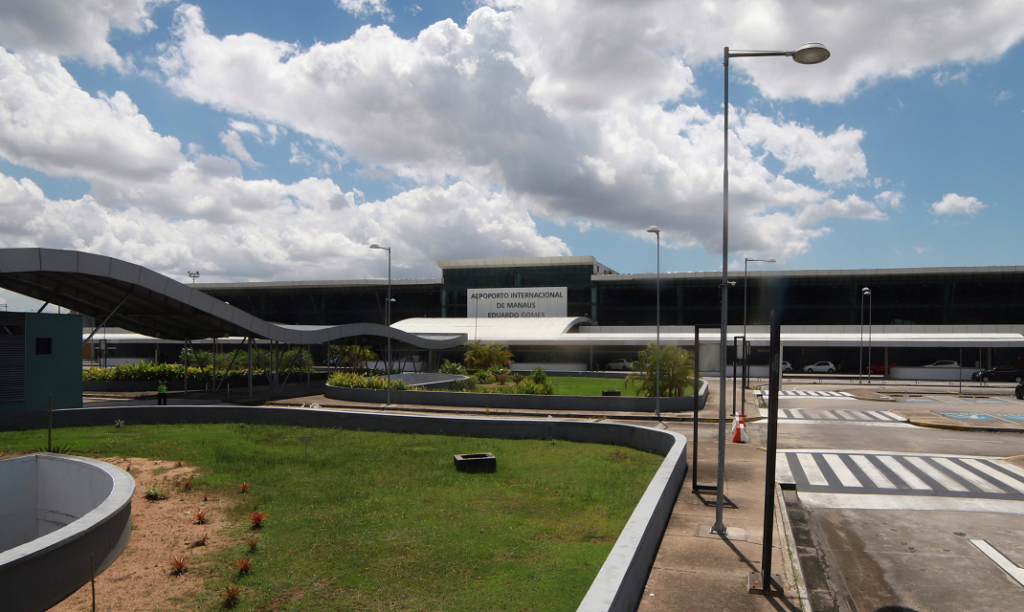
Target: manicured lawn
{"points": [[374, 521], [572, 385]]}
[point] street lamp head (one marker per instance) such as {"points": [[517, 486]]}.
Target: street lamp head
{"points": [[811, 53], [654, 230], [865, 291], [769, 261], [375, 246]]}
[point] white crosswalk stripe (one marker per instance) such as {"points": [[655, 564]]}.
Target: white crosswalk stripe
{"points": [[879, 473]]}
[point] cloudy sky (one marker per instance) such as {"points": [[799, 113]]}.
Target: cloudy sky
{"points": [[267, 140]]}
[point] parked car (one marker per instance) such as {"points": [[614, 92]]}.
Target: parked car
{"points": [[1000, 373], [619, 364], [1019, 391], [943, 363], [878, 368], [786, 367], [822, 366]]}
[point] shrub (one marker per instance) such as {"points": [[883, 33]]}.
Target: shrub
{"points": [[244, 487], [526, 387], [244, 565], [155, 494], [517, 377], [256, 518], [450, 367], [538, 375], [252, 542], [355, 381], [467, 384], [231, 595], [179, 565], [200, 517], [481, 356], [676, 371], [483, 377]]}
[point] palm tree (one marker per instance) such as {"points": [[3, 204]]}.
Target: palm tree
{"points": [[676, 371]]}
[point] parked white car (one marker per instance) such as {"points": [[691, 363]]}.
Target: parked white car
{"points": [[619, 364], [786, 367], [826, 367], [943, 363]]}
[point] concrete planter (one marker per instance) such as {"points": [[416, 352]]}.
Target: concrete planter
{"points": [[551, 403], [619, 584], [55, 511]]}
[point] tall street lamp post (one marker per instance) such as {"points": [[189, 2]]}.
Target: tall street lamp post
{"points": [[657, 318], [811, 53], [746, 369], [387, 318]]}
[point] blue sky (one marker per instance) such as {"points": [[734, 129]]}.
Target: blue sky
{"points": [[254, 140]]}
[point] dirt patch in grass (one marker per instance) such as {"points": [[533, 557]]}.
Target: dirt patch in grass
{"points": [[141, 578]]}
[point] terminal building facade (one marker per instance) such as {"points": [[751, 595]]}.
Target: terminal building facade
{"points": [[957, 302]]}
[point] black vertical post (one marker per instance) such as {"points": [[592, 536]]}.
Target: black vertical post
{"points": [[764, 582], [696, 373]]}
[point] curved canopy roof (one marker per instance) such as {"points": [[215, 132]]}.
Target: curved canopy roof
{"points": [[121, 294]]}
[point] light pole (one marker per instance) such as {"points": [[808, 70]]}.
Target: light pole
{"points": [[657, 318], [811, 53], [387, 317], [867, 292], [476, 318], [193, 275], [746, 369]]}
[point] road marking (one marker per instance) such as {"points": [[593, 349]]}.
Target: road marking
{"points": [[1015, 571], [843, 473], [967, 416], [828, 394], [870, 472], [853, 416], [1012, 417]]}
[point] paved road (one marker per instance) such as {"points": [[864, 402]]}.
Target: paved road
{"points": [[932, 519]]}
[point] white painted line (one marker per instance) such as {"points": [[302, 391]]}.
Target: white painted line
{"points": [[947, 483], [829, 415], [814, 475], [861, 501], [1001, 477], [782, 471], [1015, 571], [889, 452], [908, 477], [842, 472], [893, 416], [874, 474], [969, 476]]}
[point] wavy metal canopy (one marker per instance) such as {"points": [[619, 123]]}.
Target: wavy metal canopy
{"points": [[126, 295]]}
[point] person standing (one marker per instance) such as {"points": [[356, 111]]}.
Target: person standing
{"points": [[161, 393]]}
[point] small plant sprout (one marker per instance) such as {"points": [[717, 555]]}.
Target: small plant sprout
{"points": [[155, 494], [205, 498], [179, 565], [179, 463], [244, 565], [203, 541], [253, 542], [244, 487], [200, 517], [186, 484], [257, 519], [231, 595], [118, 424]]}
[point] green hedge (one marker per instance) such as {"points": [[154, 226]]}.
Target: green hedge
{"points": [[163, 371], [356, 381]]}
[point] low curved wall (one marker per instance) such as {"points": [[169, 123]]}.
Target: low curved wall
{"points": [[619, 584], [497, 401], [56, 511]]}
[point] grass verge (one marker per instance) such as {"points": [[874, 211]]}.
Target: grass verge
{"points": [[373, 521]]}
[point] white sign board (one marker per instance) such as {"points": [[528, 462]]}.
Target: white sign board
{"points": [[517, 302]]}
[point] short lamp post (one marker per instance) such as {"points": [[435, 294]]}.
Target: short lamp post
{"points": [[811, 53], [865, 292], [387, 318], [657, 322]]}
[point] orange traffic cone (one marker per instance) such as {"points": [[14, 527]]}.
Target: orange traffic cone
{"points": [[739, 430]]}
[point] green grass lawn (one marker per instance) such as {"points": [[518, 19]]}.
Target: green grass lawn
{"points": [[573, 385], [377, 521]]}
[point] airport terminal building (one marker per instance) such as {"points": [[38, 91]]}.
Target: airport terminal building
{"points": [[916, 315], [564, 312]]}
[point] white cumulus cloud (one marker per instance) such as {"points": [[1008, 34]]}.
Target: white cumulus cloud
{"points": [[953, 204]]}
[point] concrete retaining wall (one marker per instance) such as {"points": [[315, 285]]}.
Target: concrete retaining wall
{"points": [[620, 582], [553, 403], [56, 511]]}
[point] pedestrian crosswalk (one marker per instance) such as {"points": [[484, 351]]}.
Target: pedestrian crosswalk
{"points": [[857, 416], [878, 473], [834, 394]]}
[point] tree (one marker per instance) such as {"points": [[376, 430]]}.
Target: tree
{"points": [[482, 356], [676, 371]]}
